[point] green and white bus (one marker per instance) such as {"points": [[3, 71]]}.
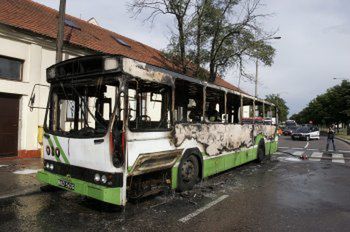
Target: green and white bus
{"points": [[117, 128]]}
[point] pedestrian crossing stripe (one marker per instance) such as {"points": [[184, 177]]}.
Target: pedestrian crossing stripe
{"points": [[298, 153], [339, 158], [316, 156]]}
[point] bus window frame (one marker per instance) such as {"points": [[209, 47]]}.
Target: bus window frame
{"points": [[170, 106]]}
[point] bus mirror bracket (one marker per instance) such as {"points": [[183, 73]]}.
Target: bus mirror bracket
{"points": [[33, 96]]}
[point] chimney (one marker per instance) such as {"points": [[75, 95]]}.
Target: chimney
{"points": [[93, 21]]}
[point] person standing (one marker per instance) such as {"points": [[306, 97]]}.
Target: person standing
{"points": [[330, 137]]}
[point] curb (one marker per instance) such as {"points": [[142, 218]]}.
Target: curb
{"points": [[21, 193], [344, 140]]}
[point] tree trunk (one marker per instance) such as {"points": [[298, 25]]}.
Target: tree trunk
{"points": [[198, 52], [212, 72], [182, 43]]}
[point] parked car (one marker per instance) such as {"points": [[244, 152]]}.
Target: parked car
{"points": [[289, 130], [290, 123], [306, 133]]}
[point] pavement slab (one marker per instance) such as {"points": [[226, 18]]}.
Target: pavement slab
{"points": [[17, 177]]}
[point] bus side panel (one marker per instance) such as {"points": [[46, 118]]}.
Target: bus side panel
{"points": [[214, 165]]}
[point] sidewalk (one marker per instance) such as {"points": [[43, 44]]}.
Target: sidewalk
{"points": [[17, 176], [343, 139]]}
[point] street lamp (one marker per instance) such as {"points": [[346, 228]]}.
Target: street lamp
{"points": [[256, 75]]}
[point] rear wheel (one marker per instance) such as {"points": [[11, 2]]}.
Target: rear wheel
{"points": [[188, 173]]}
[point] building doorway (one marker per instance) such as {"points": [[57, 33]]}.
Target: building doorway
{"points": [[9, 112]]}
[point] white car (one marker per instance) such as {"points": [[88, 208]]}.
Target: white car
{"points": [[306, 133]]}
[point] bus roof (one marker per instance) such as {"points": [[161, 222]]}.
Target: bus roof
{"points": [[134, 68]]}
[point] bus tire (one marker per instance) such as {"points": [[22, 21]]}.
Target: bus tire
{"points": [[261, 151], [188, 172]]}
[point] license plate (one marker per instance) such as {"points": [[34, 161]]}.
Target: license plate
{"points": [[296, 137], [66, 184]]}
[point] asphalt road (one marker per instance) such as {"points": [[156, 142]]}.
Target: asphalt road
{"points": [[284, 193]]}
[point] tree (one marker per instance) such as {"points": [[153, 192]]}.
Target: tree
{"points": [[330, 107], [212, 34], [177, 8], [283, 109], [219, 40]]}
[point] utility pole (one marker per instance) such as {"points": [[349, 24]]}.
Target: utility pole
{"points": [[256, 85], [256, 79], [60, 31]]}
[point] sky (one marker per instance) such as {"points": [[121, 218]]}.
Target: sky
{"points": [[313, 50]]}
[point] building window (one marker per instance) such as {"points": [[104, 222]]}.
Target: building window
{"points": [[11, 68]]}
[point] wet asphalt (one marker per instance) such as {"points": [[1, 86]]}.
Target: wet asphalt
{"points": [[280, 194]]}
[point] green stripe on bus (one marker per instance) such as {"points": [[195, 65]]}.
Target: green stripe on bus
{"points": [[53, 150], [61, 150]]}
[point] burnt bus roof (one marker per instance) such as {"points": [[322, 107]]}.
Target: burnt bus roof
{"points": [[82, 67], [91, 66]]}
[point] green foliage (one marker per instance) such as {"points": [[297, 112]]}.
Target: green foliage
{"points": [[283, 109], [331, 107]]}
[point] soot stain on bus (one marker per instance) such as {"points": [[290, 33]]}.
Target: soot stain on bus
{"points": [[217, 138]]}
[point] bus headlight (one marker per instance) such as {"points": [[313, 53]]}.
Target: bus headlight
{"points": [[51, 167], [97, 177], [57, 151], [47, 166], [111, 63], [104, 179], [48, 150]]}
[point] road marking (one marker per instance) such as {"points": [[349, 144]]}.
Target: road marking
{"points": [[284, 147], [200, 210], [3, 165], [307, 144], [339, 158], [26, 171], [344, 151], [298, 148], [298, 153], [312, 149], [316, 156]]}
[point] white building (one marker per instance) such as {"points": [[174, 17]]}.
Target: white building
{"points": [[27, 47]]}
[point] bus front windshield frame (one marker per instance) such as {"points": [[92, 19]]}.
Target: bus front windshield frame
{"points": [[81, 110]]}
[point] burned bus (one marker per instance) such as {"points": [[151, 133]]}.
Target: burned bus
{"points": [[116, 129]]}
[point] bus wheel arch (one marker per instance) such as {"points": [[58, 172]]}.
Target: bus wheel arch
{"points": [[260, 156], [193, 160]]}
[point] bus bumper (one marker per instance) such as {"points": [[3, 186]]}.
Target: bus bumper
{"points": [[102, 193]]}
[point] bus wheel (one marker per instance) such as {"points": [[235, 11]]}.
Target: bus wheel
{"points": [[188, 173], [261, 152]]}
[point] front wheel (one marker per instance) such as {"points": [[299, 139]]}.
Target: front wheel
{"points": [[188, 173]]}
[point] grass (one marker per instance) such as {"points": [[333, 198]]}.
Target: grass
{"points": [[342, 134]]}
